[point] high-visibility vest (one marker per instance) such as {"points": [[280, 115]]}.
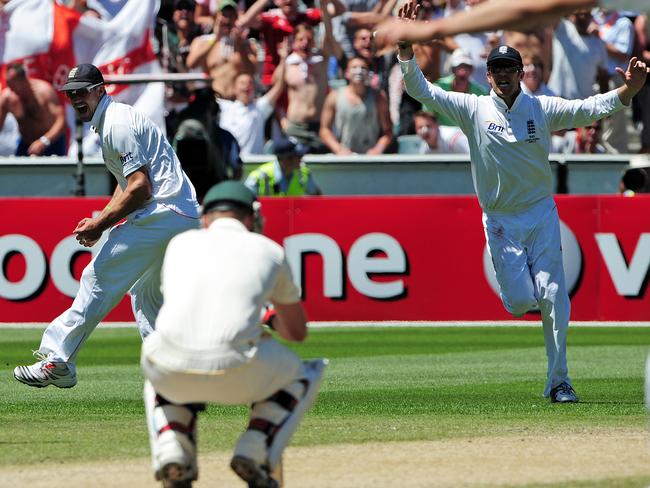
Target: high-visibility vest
{"points": [[267, 185]]}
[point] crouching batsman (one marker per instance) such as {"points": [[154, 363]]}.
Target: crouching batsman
{"points": [[509, 136], [209, 345]]}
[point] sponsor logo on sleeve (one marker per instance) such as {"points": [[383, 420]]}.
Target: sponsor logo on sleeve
{"points": [[126, 157]]}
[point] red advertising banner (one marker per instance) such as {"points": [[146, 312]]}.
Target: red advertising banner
{"points": [[362, 258]]}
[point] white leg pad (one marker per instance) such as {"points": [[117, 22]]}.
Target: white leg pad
{"points": [[313, 373], [172, 433]]}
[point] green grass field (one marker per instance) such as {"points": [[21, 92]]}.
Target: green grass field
{"points": [[383, 384]]}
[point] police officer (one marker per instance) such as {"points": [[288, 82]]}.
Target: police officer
{"points": [[288, 176]]}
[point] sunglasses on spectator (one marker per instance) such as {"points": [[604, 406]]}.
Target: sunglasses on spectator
{"points": [[509, 69], [82, 92]]}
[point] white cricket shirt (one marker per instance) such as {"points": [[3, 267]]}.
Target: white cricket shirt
{"points": [[509, 148], [131, 141], [215, 282]]}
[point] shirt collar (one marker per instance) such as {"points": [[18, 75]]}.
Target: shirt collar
{"points": [[228, 223], [97, 122], [501, 104]]}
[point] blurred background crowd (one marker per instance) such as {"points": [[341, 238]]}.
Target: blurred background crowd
{"points": [[309, 70]]}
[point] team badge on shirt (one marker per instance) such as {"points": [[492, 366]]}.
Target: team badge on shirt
{"points": [[530, 128]]}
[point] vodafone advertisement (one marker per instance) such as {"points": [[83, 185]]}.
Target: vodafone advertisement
{"points": [[361, 258]]}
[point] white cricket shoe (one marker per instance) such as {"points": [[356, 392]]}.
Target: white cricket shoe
{"points": [[47, 371]]}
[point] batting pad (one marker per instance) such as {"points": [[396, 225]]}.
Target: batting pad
{"points": [[314, 370]]}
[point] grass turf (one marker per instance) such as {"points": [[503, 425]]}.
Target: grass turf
{"points": [[387, 384]]}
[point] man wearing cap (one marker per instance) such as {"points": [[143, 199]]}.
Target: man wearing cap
{"points": [[157, 201], [459, 79], [224, 53], [288, 176], [509, 136], [209, 345]]}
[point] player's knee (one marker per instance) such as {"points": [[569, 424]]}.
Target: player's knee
{"points": [[518, 305]]}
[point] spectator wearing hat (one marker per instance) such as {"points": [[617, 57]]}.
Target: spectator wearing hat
{"points": [[38, 112], [287, 176], [459, 80], [225, 53], [355, 118]]}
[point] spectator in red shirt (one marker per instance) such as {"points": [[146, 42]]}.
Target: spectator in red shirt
{"points": [[278, 23]]}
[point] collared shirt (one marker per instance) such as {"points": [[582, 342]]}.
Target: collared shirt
{"points": [[509, 147], [215, 282], [131, 141], [246, 122]]}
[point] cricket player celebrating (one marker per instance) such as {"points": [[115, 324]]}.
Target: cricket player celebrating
{"points": [[157, 200], [509, 135], [208, 345]]}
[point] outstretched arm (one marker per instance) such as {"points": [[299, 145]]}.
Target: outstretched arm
{"points": [[487, 16]]}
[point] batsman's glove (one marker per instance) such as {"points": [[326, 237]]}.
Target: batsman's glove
{"points": [[269, 316]]}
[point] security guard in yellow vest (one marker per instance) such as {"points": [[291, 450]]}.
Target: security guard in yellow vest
{"points": [[288, 176]]}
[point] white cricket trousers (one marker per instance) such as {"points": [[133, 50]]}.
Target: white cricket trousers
{"points": [[526, 251], [129, 261], [272, 369]]}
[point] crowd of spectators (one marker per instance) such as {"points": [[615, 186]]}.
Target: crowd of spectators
{"points": [[310, 70]]}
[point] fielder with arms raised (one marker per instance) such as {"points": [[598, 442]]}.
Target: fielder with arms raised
{"points": [[208, 345], [509, 135]]}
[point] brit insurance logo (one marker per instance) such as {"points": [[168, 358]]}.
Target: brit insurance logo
{"points": [[126, 157], [493, 127]]}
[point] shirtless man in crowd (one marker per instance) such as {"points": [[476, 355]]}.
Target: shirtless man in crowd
{"points": [[225, 53], [306, 77], [38, 111]]}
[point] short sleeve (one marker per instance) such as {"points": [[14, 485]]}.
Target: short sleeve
{"points": [[126, 146], [285, 290]]}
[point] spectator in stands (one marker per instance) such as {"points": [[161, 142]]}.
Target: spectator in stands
{"points": [[642, 36], [617, 31], [38, 112], [533, 80], [438, 138], [204, 13], [537, 42], [277, 24], [633, 181], [460, 79], [579, 58], [174, 46], [245, 116], [288, 176], [355, 118], [208, 153], [583, 140], [225, 53], [476, 45], [306, 78]]}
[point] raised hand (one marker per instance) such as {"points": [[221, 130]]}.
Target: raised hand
{"points": [[636, 74]]}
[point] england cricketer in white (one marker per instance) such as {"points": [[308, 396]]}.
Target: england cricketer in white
{"points": [[493, 15], [509, 135], [156, 199], [209, 346]]}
